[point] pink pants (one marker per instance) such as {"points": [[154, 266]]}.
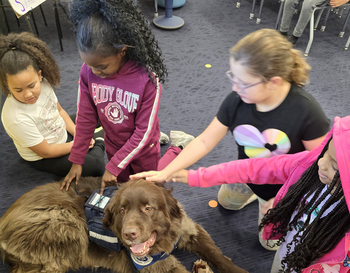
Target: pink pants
{"points": [[169, 156], [136, 167]]}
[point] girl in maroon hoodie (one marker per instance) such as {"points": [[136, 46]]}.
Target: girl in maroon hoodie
{"points": [[120, 87]]}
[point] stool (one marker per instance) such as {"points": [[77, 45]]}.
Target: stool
{"points": [[176, 3], [168, 21]]}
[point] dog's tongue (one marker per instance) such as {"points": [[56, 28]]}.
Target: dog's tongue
{"points": [[140, 248]]}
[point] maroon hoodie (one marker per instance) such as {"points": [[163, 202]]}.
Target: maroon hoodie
{"points": [[127, 106]]}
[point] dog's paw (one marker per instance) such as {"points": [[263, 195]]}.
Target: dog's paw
{"points": [[201, 266]]}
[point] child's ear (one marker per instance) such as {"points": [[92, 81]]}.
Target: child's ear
{"points": [[123, 51], [275, 81], [40, 76]]}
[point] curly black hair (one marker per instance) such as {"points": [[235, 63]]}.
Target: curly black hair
{"points": [[104, 27], [312, 241], [18, 51]]}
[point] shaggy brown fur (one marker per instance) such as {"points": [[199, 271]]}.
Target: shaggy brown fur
{"points": [[45, 230]]}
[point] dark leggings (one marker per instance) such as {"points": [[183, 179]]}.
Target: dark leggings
{"points": [[94, 161]]}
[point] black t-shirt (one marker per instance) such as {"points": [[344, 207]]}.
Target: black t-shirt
{"points": [[279, 131]]}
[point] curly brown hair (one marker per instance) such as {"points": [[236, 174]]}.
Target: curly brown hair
{"points": [[104, 27], [18, 51]]}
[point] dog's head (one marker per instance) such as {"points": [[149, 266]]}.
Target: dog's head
{"points": [[145, 217]]}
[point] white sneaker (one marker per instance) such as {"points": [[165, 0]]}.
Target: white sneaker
{"points": [[163, 139], [180, 139]]}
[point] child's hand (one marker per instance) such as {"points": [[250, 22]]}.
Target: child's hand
{"points": [[337, 3], [180, 176], [154, 176], [108, 179], [92, 143], [75, 172]]}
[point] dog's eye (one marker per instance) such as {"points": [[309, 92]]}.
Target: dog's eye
{"points": [[148, 208], [122, 211]]}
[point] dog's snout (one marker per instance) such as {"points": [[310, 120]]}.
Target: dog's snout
{"points": [[131, 233]]}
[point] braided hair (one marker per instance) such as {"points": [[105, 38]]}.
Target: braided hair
{"points": [[104, 27], [312, 241], [18, 51]]}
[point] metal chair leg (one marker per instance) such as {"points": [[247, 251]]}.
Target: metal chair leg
{"points": [[341, 34], [347, 44], [58, 25], [27, 16], [238, 4], [318, 18], [34, 22], [311, 38], [155, 8], [43, 15], [5, 17], [251, 15], [279, 14], [258, 20], [323, 27]]}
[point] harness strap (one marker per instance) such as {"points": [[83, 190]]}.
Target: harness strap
{"points": [[132, 266]]}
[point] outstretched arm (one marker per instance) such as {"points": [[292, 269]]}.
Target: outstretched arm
{"points": [[194, 151]]}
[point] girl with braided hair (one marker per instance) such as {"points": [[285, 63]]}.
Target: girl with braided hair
{"points": [[310, 217], [120, 87], [40, 128]]}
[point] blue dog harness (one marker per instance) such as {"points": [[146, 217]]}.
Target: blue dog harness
{"points": [[94, 213]]}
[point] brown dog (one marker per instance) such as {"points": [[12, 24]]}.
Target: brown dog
{"points": [[45, 231]]}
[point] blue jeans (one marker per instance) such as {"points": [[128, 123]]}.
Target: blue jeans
{"points": [[304, 17]]}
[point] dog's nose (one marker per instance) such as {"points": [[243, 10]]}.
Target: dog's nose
{"points": [[131, 233]]}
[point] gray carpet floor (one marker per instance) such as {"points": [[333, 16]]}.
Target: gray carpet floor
{"points": [[191, 97]]}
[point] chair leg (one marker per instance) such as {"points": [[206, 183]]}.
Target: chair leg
{"points": [[251, 15], [58, 25], [347, 44], [311, 38], [340, 13], [279, 14], [341, 34], [155, 8], [43, 15], [323, 27], [5, 17], [238, 4], [27, 16], [258, 20], [318, 19], [34, 22]]}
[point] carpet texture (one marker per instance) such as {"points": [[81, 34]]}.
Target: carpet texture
{"points": [[191, 97]]}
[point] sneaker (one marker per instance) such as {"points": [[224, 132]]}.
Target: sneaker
{"points": [[180, 139], [99, 133], [284, 33], [164, 139], [293, 39], [235, 196]]}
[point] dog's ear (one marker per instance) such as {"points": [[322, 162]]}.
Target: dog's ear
{"points": [[173, 205], [108, 219]]}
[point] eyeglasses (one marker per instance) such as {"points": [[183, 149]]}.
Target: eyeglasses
{"points": [[242, 87]]}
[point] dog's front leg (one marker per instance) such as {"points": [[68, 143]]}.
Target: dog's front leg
{"points": [[202, 245]]}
